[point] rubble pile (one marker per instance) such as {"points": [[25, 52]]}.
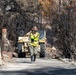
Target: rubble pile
{"points": [[54, 53]]}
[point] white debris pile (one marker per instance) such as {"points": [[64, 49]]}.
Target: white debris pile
{"points": [[53, 53]]}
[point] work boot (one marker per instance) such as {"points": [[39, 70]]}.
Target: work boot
{"points": [[34, 57]]}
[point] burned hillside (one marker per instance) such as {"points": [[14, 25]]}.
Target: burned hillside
{"points": [[57, 18], [60, 20]]}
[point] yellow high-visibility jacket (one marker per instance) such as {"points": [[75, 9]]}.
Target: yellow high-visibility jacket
{"points": [[35, 38]]}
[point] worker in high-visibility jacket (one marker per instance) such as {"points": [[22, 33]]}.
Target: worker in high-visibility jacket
{"points": [[34, 43]]}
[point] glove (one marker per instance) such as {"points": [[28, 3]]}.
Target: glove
{"points": [[32, 40]]}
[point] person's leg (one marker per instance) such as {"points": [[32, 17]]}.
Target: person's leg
{"points": [[35, 52], [31, 52], [34, 57]]}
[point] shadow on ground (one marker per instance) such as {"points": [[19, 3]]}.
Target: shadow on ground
{"points": [[42, 71]]}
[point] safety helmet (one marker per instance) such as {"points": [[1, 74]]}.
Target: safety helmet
{"points": [[35, 28]]}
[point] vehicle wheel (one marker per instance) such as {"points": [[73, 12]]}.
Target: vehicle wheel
{"points": [[21, 55], [42, 50]]}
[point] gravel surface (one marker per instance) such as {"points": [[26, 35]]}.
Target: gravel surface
{"points": [[23, 66]]}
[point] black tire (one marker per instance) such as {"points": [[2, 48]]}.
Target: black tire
{"points": [[21, 55], [42, 50]]}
